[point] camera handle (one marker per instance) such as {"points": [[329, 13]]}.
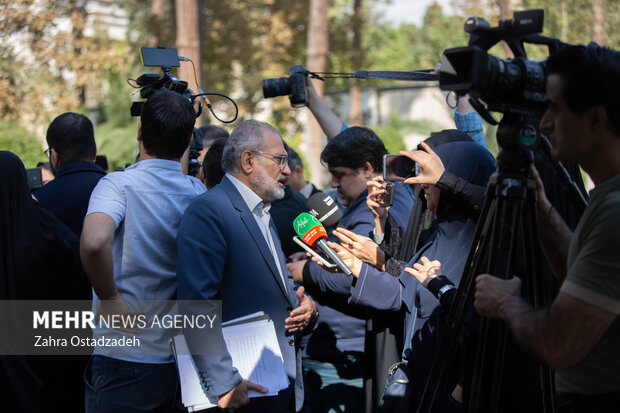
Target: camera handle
{"points": [[415, 75]]}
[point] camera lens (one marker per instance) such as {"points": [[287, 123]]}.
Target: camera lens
{"points": [[280, 86]]}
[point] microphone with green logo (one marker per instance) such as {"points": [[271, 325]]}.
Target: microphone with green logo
{"points": [[313, 233]]}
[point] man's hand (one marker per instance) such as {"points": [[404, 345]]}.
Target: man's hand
{"points": [[296, 269], [375, 200], [301, 316], [238, 395], [542, 202], [492, 293], [431, 167], [361, 247], [425, 270]]}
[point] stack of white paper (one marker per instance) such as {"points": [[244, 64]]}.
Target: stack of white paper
{"points": [[255, 352]]}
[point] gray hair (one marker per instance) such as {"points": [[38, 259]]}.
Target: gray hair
{"points": [[247, 136]]}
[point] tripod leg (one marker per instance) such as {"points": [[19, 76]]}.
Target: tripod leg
{"points": [[458, 310], [536, 293]]}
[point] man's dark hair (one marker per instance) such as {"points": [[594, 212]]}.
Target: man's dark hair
{"points": [[212, 163], [293, 157], [353, 147], [72, 136], [590, 77], [211, 133], [167, 121]]}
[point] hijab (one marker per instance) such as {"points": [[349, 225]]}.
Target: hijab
{"points": [[40, 261], [420, 219], [40, 255], [455, 224]]}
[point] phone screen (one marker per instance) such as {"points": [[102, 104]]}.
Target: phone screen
{"points": [[315, 252], [398, 168], [35, 180]]}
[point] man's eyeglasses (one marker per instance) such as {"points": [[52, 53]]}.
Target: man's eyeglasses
{"points": [[281, 159], [48, 152]]}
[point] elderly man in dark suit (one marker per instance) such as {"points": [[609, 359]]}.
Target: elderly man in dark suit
{"points": [[229, 250]]}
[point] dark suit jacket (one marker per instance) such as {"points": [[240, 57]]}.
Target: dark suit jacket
{"points": [[222, 255], [67, 195]]}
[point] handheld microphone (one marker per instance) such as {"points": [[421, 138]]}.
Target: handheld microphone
{"points": [[312, 233], [325, 209]]}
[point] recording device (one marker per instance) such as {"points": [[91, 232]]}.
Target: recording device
{"points": [[34, 177], [294, 86], [150, 83], [388, 197], [102, 162], [315, 253], [159, 57], [325, 209], [509, 86], [399, 168], [312, 233], [195, 146]]}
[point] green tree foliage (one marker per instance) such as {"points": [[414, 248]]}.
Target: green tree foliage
{"points": [[119, 144], [47, 60], [22, 142]]}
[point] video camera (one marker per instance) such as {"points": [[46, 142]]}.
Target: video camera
{"points": [[509, 86], [294, 86], [150, 83]]}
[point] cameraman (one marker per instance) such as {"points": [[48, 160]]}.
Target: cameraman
{"points": [[128, 249], [579, 335]]}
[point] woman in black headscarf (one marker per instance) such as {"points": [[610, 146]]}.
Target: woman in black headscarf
{"points": [[39, 261]]}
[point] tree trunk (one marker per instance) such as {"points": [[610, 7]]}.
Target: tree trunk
{"points": [[188, 41], [157, 9], [355, 93], [78, 23], [317, 55], [598, 21]]}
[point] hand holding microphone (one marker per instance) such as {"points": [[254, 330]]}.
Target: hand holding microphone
{"points": [[312, 233]]}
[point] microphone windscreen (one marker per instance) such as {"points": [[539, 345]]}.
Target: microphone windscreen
{"points": [[309, 229], [325, 209]]}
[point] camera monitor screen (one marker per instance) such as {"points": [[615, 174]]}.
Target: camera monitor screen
{"points": [[155, 56]]}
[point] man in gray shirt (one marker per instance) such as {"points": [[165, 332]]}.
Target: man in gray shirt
{"points": [[128, 249]]}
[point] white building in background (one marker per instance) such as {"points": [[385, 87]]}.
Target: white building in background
{"points": [[108, 16]]}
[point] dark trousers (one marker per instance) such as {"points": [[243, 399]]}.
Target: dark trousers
{"points": [[597, 403], [334, 387], [117, 386]]}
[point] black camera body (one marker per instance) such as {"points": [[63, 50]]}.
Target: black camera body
{"points": [[294, 86], [150, 83], [509, 86], [195, 147]]}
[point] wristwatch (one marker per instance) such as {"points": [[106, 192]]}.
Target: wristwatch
{"points": [[444, 289]]}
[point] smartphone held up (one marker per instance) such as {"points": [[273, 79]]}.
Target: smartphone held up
{"points": [[399, 168]]}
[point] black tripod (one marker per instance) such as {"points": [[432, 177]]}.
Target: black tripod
{"points": [[505, 244]]}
